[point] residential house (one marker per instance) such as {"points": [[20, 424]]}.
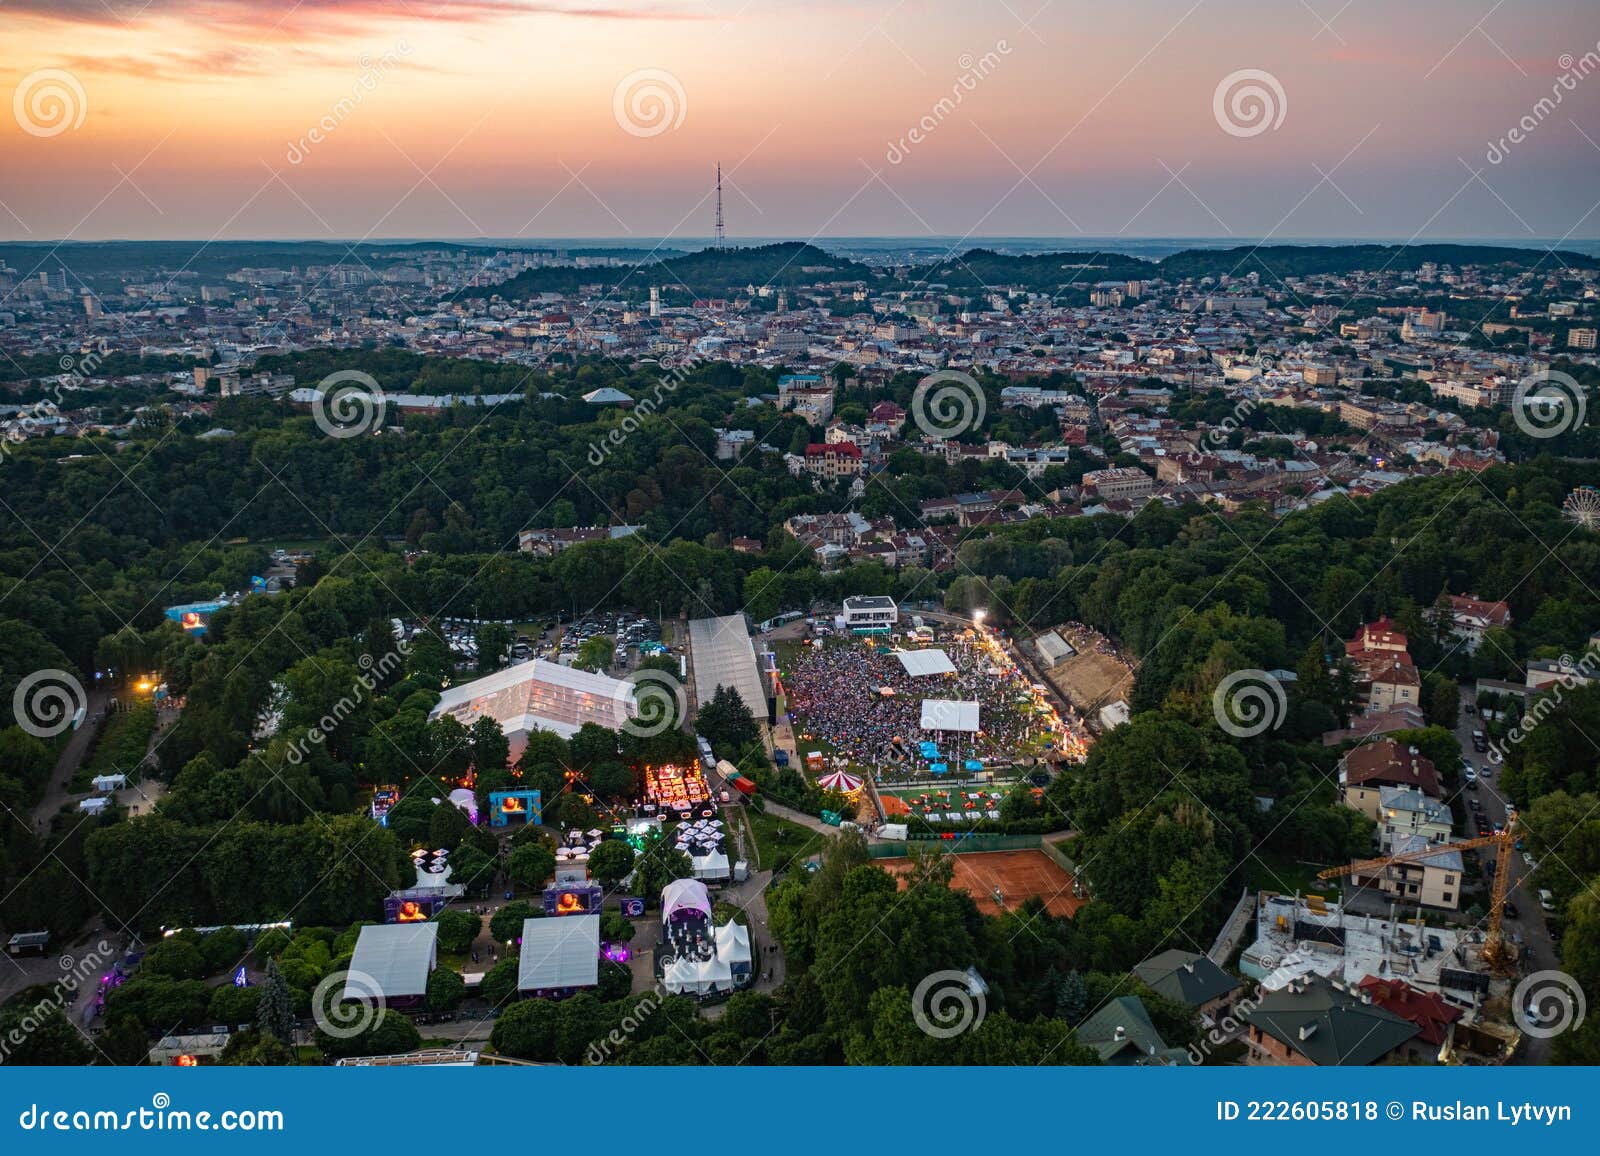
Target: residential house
{"points": [[1121, 1032], [1366, 769], [1434, 881], [1407, 811], [1471, 618], [1315, 1022], [1190, 979]]}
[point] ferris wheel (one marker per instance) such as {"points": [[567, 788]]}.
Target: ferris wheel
{"points": [[1583, 507]]}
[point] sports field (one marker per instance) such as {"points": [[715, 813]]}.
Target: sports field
{"points": [[1019, 875]]}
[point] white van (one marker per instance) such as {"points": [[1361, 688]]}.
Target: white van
{"points": [[1547, 901]]}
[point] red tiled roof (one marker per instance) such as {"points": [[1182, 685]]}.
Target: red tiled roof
{"points": [[1387, 763], [1431, 1013]]}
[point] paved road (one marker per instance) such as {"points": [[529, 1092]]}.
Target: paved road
{"points": [[56, 794], [1529, 927]]}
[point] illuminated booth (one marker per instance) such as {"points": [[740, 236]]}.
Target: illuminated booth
{"points": [[514, 808]]}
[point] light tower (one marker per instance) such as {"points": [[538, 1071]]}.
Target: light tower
{"points": [[721, 232]]}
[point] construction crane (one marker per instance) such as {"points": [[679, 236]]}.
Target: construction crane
{"points": [[1497, 953]]}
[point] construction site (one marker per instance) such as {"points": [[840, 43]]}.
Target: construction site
{"points": [[1302, 937]]}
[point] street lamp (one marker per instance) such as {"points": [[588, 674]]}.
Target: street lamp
{"points": [[978, 616]]}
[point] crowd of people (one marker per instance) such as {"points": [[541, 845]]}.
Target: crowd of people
{"points": [[836, 693]]}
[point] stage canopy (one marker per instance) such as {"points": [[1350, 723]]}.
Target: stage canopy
{"points": [[723, 655], [683, 895], [540, 695], [924, 662], [396, 956], [939, 714], [561, 951]]}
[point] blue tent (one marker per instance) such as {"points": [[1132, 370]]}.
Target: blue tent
{"points": [[939, 768], [973, 765], [929, 750]]}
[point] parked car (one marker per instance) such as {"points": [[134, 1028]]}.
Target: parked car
{"points": [[1509, 910], [1527, 857], [1547, 901], [1470, 709]]}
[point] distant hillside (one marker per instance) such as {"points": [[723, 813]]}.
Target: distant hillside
{"points": [[1053, 272], [214, 259], [710, 272], [977, 269], [1277, 261]]}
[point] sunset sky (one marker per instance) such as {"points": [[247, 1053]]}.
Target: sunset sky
{"points": [[501, 118]]}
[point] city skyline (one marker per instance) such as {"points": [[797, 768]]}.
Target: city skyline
{"points": [[1206, 120]]}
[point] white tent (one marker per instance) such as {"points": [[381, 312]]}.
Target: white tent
{"points": [[949, 715], [105, 784], [712, 866], [925, 662]]}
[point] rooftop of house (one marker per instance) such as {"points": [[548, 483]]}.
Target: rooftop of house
{"points": [[1386, 763], [1185, 976], [1329, 1025]]}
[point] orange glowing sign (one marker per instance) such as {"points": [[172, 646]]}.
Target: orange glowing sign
{"points": [[186, 1062], [410, 912], [569, 904], [511, 805], [191, 620]]}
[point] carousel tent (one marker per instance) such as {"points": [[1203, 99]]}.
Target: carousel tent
{"points": [[924, 662], [683, 896], [839, 781], [949, 715]]}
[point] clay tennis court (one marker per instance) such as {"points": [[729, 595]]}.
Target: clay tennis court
{"points": [[1018, 874]]}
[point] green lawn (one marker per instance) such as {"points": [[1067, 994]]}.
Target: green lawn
{"points": [[780, 842], [1270, 871]]}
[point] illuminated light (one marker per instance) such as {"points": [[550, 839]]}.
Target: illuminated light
{"points": [[186, 1062]]}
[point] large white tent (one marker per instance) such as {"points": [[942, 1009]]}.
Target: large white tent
{"points": [[540, 695], [396, 957], [721, 972], [942, 714], [919, 663], [559, 953]]}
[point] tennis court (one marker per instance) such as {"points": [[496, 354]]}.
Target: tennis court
{"points": [[1018, 875]]}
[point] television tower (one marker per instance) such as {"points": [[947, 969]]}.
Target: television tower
{"points": [[721, 232]]}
